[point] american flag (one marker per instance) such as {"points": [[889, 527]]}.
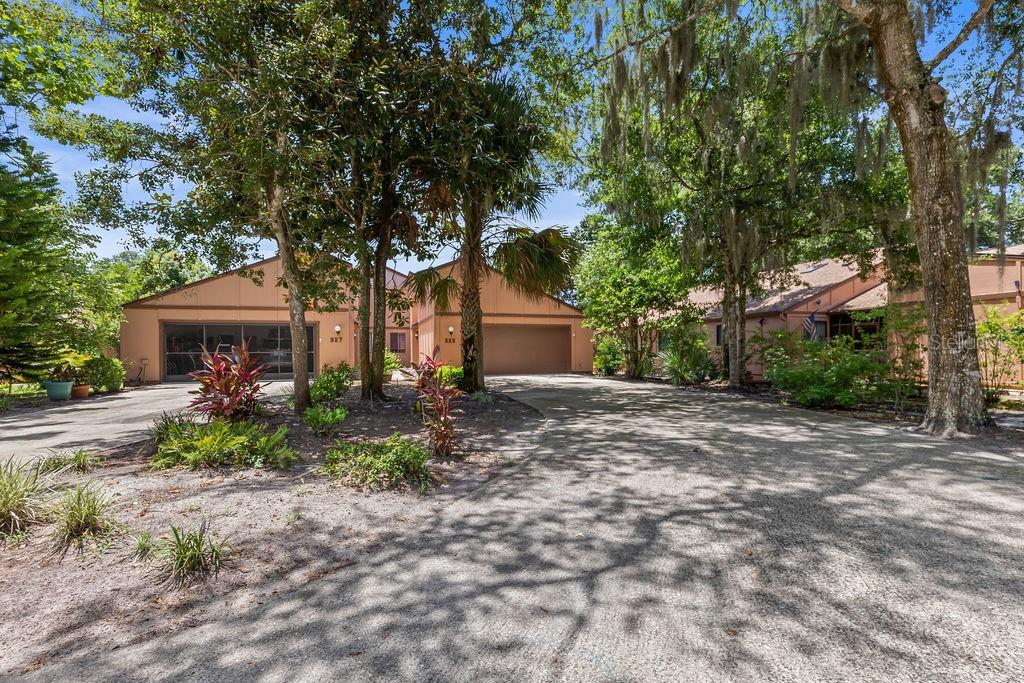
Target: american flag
{"points": [[811, 327]]}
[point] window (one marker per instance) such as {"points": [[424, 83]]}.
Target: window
{"points": [[271, 343], [820, 330], [397, 342], [718, 335]]}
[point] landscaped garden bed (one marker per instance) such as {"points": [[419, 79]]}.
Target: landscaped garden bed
{"points": [[275, 529]]}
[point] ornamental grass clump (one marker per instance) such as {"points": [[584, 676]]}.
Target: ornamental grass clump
{"points": [[82, 460], [81, 514], [22, 491], [373, 466], [190, 555]]}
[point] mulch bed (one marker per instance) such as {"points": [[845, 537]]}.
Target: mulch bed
{"points": [[284, 528]]}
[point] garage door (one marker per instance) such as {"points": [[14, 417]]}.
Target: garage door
{"points": [[526, 349]]}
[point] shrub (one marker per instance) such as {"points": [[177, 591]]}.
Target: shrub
{"points": [[449, 374], [81, 513], [688, 364], [391, 363], [229, 385], [608, 356], [170, 424], [436, 398], [21, 497], [6, 401], [825, 374], [380, 465], [82, 461], [1000, 349], [103, 374], [219, 442], [332, 382], [191, 555], [323, 420]]}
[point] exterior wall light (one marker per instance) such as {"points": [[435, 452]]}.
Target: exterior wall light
{"points": [[337, 328], [451, 329]]}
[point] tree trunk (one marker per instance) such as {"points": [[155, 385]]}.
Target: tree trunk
{"points": [[292, 277], [380, 298], [632, 370], [917, 105], [472, 324], [741, 336], [365, 325], [731, 360]]}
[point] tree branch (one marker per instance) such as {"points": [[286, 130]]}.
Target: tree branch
{"points": [[984, 7], [858, 12]]}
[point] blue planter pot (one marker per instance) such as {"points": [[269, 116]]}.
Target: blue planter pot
{"points": [[57, 391]]}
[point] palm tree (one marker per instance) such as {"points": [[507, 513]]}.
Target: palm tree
{"points": [[498, 173]]}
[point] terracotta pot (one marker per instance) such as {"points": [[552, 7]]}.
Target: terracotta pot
{"points": [[80, 391]]}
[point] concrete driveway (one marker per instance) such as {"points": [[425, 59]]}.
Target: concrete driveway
{"points": [[97, 422], [661, 534]]}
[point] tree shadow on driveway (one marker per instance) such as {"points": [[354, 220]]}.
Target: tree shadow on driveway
{"points": [[658, 534]]}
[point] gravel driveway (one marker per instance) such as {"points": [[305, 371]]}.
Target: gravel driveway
{"points": [[661, 534], [100, 421]]}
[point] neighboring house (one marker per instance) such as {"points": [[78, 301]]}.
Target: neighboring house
{"points": [[164, 333], [828, 291]]}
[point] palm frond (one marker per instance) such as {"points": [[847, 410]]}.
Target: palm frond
{"points": [[535, 263], [430, 285]]}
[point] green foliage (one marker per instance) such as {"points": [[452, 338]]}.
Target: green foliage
{"points": [[689, 362], [386, 464], [392, 362], [22, 491], [626, 285], [1000, 348], [143, 546], [190, 555], [83, 512], [81, 461], [826, 374], [332, 382], [103, 373], [323, 420], [608, 356], [183, 443], [449, 375], [170, 424]]}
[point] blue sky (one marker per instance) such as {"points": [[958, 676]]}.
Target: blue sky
{"points": [[563, 207]]}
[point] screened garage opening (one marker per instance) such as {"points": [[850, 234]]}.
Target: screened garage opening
{"points": [[527, 349], [183, 343]]}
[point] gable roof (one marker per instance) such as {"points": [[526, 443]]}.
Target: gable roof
{"points": [[397, 277], [814, 278], [1014, 250], [876, 297]]}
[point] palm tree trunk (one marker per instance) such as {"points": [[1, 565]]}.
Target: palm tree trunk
{"points": [[917, 105], [472, 324]]}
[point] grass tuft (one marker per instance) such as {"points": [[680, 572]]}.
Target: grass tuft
{"points": [[82, 513], [22, 488], [144, 546], [82, 461], [392, 463], [188, 556]]}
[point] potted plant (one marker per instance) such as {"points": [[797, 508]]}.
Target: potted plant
{"points": [[62, 379], [82, 383]]}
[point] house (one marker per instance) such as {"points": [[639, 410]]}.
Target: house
{"points": [[826, 292], [164, 333]]}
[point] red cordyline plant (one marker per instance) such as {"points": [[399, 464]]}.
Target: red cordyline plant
{"points": [[229, 385], [436, 398]]}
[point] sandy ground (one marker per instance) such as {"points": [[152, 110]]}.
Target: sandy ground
{"points": [[285, 529]]}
